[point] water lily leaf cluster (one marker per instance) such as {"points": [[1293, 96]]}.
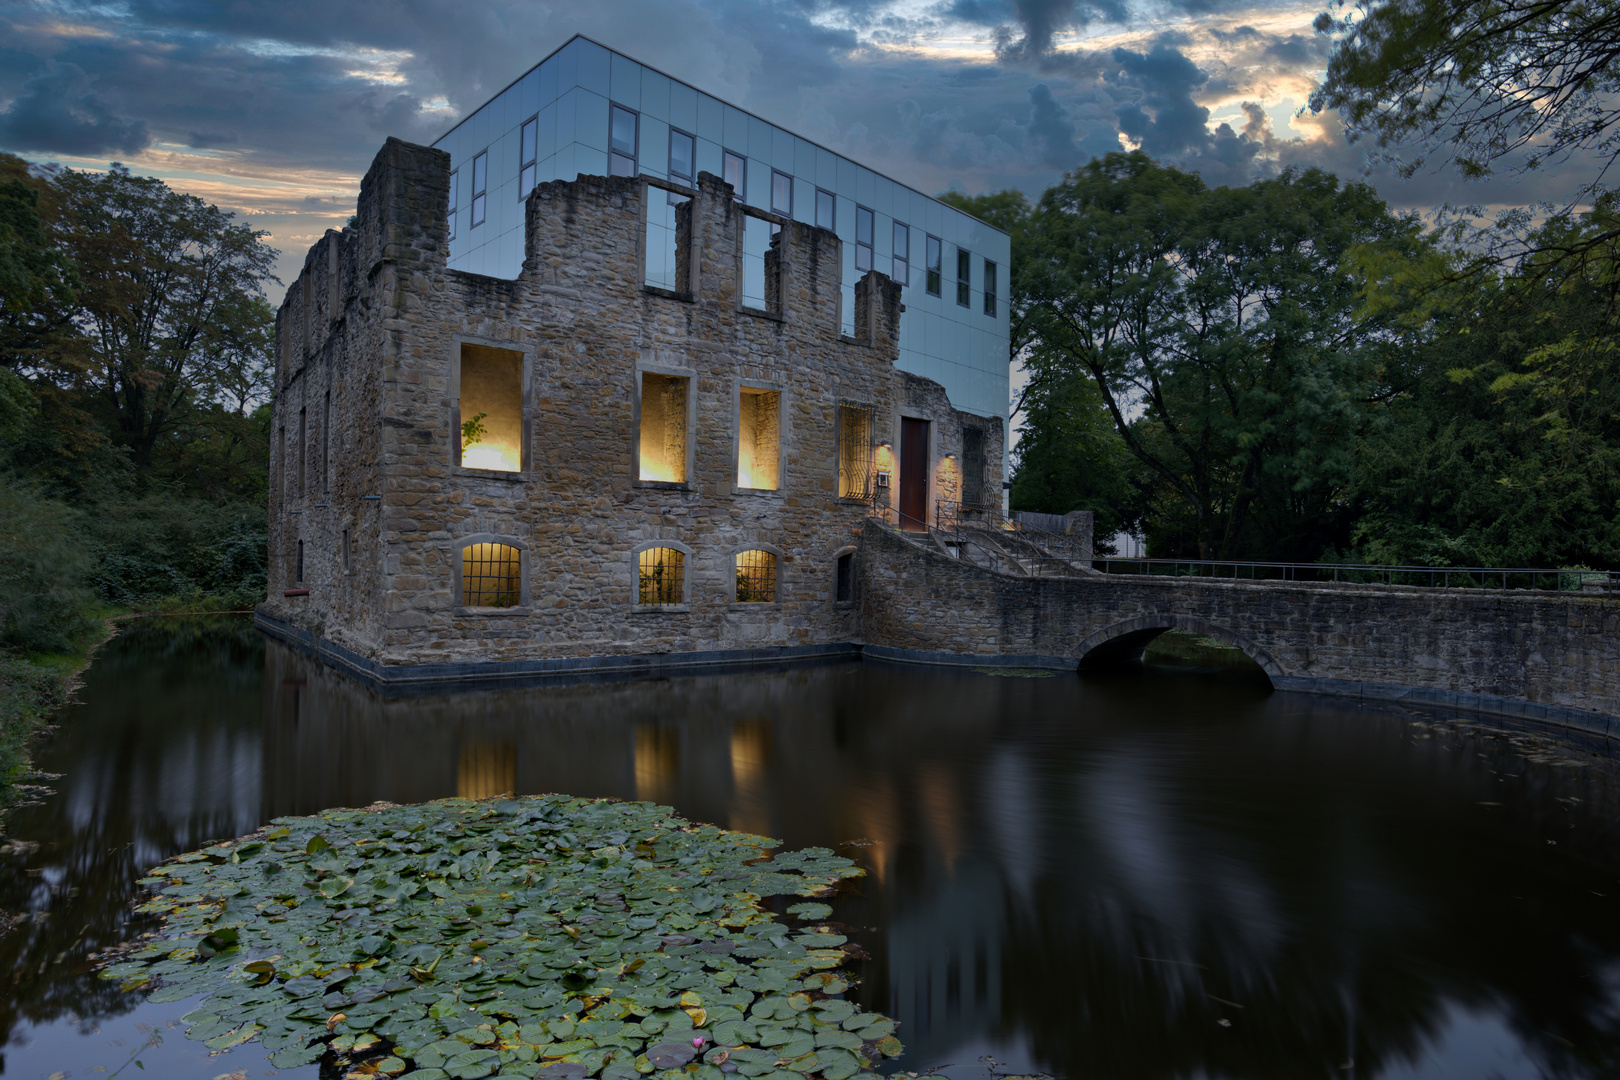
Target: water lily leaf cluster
{"points": [[539, 937]]}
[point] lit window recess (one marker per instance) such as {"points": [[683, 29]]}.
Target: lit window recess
{"points": [[622, 156], [863, 239], [902, 254], [491, 576], [759, 439], [526, 173], [661, 576], [756, 577], [480, 180], [491, 408], [736, 174], [663, 428]]}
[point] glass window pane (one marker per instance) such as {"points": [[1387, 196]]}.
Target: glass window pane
{"points": [[781, 193], [933, 265], [680, 154], [824, 209], [479, 164], [526, 182], [902, 241], [902, 272], [621, 165], [863, 225], [863, 257], [478, 210], [531, 128], [624, 131], [737, 174]]}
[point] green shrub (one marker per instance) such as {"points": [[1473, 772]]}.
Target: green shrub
{"points": [[164, 550], [44, 563]]}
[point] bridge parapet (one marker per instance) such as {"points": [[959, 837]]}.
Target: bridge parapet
{"points": [[1541, 655]]}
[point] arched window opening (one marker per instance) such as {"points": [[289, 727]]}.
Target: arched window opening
{"points": [[756, 577], [846, 578], [490, 575], [660, 576]]}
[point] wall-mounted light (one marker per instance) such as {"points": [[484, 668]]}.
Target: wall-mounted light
{"points": [[885, 445], [950, 457]]}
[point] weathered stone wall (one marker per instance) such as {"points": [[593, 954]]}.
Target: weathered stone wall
{"points": [[1554, 649], [387, 325]]}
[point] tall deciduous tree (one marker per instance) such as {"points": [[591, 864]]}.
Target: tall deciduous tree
{"points": [[1224, 332], [172, 304]]}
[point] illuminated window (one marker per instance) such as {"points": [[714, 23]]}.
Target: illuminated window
{"points": [[863, 239], [854, 451], [932, 254], [490, 576], [663, 428], [736, 170], [622, 159], [526, 156], [480, 181], [660, 576], [491, 407], [759, 439], [756, 577]]}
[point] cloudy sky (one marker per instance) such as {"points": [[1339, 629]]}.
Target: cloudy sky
{"points": [[274, 110]]}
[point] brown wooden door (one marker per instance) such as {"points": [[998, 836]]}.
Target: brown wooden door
{"points": [[913, 474]]}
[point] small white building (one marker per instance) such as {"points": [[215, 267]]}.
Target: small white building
{"points": [[588, 110]]}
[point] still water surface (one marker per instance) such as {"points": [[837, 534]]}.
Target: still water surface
{"points": [[1165, 874]]}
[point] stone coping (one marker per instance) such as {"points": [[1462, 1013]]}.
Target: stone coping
{"points": [[1484, 704]]}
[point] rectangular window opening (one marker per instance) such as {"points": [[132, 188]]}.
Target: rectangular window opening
{"points": [[756, 577], [902, 254], [682, 156], [964, 274], [326, 426], [932, 253], [491, 575], [663, 427], [303, 436], [660, 574], [854, 451], [452, 218], [759, 292], [759, 439], [480, 181], [664, 252], [972, 466], [299, 578], [491, 408], [622, 157], [863, 239], [846, 578], [826, 211], [348, 563], [736, 174], [526, 157], [989, 288]]}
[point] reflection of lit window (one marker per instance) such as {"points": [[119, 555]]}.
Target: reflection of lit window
{"points": [[854, 451], [490, 575], [663, 428], [759, 439], [491, 408], [486, 769], [756, 577], [658, 762], [660, 576]]}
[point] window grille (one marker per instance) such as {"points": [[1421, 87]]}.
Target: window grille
{"points": [[756, 577], [660, 576], [489, 575], [854, 451]]}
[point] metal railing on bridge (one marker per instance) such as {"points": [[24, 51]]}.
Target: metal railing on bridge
{"points": [[1437, 577]]}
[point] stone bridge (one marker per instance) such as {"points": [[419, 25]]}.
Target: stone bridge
{"points": [[1553, 657]]}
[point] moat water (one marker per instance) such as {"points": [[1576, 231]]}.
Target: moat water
{"points": [[1168, 872]]}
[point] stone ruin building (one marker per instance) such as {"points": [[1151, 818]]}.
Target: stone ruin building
{"points": [[578, 471]]}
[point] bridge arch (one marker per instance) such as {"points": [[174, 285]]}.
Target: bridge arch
{"points": [[1125, 640]]}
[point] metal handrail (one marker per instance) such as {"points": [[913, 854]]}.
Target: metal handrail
{"points": [[1499, 578]]}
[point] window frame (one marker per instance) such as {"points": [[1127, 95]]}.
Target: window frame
{"points": [[451, 217], [739, 190], [690, 178], [832, 210], [964, 278], [933, 264], [525, 417], [866, 245], [778, 560], [480, 193], [528, 155], [614, 108], [458, 594], [739, 386], [990, 288], [901, 267], [642, 369], [685, 605]]}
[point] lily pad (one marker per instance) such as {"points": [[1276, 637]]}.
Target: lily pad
{"points": [[568, 938]]}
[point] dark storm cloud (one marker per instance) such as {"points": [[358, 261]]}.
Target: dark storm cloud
{"points": [[1164, 119], [57, 112]]}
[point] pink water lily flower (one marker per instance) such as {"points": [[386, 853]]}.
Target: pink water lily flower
{"points": [[698, 1042]]}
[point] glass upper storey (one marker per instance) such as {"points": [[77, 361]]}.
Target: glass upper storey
{"points": [[588, 110]]}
